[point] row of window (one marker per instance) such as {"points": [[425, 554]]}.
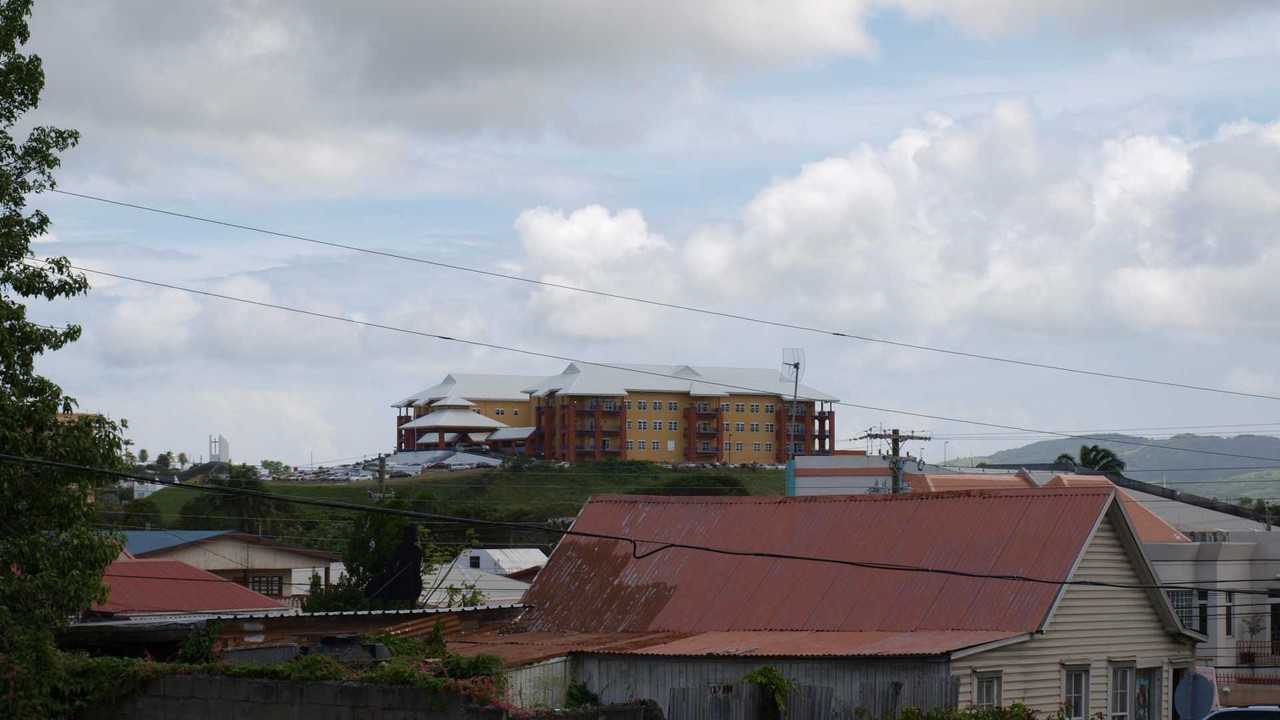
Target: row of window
{"points": [[657, 425], [706, 427], [673, 406], [503, 411], [1134, 694], [705, 446], [1192, 608]]}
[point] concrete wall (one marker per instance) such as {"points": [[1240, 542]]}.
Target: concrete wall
{"points": [[205, 697]]}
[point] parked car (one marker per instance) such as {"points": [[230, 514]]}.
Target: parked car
{"points": [[1249, 712]]}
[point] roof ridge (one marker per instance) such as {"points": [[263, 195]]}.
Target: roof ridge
{"points": [[868, 497]]}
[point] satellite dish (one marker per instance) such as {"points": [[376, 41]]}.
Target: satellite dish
{"points": [[793, 364], [1195, 696]]}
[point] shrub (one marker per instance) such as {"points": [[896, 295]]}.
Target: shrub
{"points": [[579, 695]]}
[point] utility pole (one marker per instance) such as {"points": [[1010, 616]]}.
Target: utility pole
{"points": [[791, 423], [382, 474], [895, 438]]}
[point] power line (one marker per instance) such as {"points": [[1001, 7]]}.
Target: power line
{"points": [[670, 305], [564, 358], [661, 545]]}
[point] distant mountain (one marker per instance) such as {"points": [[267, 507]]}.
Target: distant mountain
{"points": [[1207, 472]]}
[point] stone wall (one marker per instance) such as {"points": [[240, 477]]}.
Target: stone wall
{"points": [[210, 697]]}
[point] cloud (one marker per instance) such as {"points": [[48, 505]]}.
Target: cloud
{"points": [[988, 221], [990, 17], [594, 248]]}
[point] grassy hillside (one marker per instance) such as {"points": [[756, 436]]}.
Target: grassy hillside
{"points": [[534, 495], [1201, 473]]}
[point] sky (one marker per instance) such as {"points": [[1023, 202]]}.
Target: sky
{"points": [[1076, 182]]}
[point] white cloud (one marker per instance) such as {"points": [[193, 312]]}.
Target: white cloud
{"points": [[594, 248], [966, 223]]}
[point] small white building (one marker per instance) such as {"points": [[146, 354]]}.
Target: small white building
{"points": [[501, 561]]}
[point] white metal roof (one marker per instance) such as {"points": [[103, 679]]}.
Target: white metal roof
{"points": [[434, 440], [453, 401], [619, 379], [514, 559], [475, 386], [496, 589], [454, 419], [512, 433]]}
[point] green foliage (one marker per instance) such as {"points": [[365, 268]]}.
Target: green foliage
{"points": [[775, 686], [307, 668], [182, 459], [1094, 457], [142, 513], [143, 456], [51, 557], [165, 460], [219, 511], [200, 644], [276, 468], [342, 595], [1016, 711], [83, 682], [579, 695], [419, 648], [458, 666], [695, 484]]}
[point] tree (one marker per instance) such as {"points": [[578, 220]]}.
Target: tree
{"points": [[182, 459], [51, 556], [219, 511], [164, 460], [143, 456], [275, 467], [140, 513], [1094, 457]]}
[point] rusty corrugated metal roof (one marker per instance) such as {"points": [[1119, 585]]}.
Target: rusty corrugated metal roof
{"points": [[945, 482], [813, 644], [596, 586], [1150, 527]]}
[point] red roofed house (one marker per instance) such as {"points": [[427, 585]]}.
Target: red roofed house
{"points": [[142, 588], [917, 619]]}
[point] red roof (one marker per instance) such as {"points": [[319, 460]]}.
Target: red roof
{"points": [[596, 586], [1149, 527], [809, 644], [929, 482], [142, 587]]}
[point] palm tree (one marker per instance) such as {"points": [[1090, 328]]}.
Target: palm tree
{"points": [[1094, 457]]}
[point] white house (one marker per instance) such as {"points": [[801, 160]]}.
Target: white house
{"points": [[501, 561]]}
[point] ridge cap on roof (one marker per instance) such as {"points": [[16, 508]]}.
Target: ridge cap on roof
{"points": [[1034, 492]]}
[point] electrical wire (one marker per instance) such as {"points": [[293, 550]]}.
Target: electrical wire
{"points": [[671, 306], [564, 358], [660, 546]]}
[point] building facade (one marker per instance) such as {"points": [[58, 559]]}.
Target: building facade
{"points": [[659, 413]]}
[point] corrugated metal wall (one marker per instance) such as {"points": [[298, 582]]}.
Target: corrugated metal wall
{"points": [[707, 688], [541, 684]]}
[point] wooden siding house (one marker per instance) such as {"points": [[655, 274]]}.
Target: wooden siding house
{"points": [[1037, 596]]}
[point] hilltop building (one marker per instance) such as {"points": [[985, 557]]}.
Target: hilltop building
{"points": [[660, 413]]}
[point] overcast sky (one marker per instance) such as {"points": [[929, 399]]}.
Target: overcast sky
{"points": [[1084, 183]]}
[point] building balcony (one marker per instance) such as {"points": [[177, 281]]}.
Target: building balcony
{"points": [[593, 407], [591, 429]]}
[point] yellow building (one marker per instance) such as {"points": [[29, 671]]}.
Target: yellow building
{"points": [[660, 413]]}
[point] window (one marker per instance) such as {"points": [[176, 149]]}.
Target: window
{"points": [[673, 405], [1181, 602], [755, 446], [1075, 693], [642, 424], [1121, 693], [1146, 694], [607, 405], [654, 445], [987, 686], [755, 427], [516, 412], [628, 424], [673, 425], [726, 426], [267, 584], [499, 411], [704, 446], [739, 407], [770, 427], [626, 404], [755, 407], [724, 407], [642, 404], [798, 448], [1230, 614], [703, 407], [630, 444], [738, 447], [739, 427], [768, 447], [474, 562], [768, 407], [604, 443], [1202, 611], [671, 446]]}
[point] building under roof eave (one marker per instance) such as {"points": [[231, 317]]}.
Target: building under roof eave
{"points": [[454, 419], [618, 379]]}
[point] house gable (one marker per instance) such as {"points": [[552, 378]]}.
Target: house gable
{"points": [[1090, 625]]}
